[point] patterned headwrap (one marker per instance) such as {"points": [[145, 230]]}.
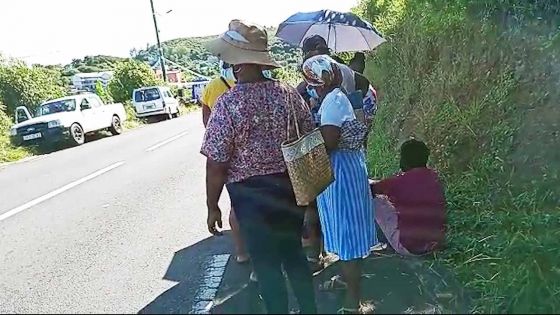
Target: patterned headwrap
{"points": [[318, 70]]}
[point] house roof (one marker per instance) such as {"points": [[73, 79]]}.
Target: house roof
{"points": [[94, 74]]}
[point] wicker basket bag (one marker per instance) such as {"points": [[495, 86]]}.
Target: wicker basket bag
{"points": [[307, 161]]}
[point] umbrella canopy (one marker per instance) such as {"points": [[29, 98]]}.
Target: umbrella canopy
{"points": [[344, 32]]}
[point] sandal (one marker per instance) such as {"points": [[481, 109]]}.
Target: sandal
{"points": [[242, 259], [253, 277], [335, 283], [348, 311], [379, 247]]}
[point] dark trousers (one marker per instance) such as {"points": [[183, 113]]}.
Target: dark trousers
{"points": [[271, 225]]}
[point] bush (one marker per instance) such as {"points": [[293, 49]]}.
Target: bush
{"points": [[102, 93], [129, 75], [21, 85], [7, 152], [131, 120], [478, 81]]}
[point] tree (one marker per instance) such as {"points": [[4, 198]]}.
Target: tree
{"points": [[102, 93], [21, 85], [129, 75]]}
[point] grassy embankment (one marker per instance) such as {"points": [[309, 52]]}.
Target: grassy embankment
{"points": [[479, 82]]}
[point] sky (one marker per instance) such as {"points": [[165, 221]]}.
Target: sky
{"points": [[56, 31]]}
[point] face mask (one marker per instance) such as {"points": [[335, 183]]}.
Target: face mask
{"points": [[267, 74], [312, 92], [228, 74]]}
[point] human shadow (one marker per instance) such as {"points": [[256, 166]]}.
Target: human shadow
{"points": [[191, 267], [391, 284]]}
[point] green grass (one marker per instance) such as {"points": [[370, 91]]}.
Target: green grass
{"points": [[188, 108], [480, 88], [9, 153], [134, 122], [131, 121]]}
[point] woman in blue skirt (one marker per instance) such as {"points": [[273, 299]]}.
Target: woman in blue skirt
{"points": [[346, 206]]}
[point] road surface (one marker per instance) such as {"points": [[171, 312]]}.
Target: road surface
{"points": [[109, 226]]}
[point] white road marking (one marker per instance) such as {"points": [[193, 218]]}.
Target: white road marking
{"points": [[58, 191], [211, 280], [152, 148]]}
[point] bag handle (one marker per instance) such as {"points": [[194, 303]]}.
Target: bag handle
{"points": [[226, 83], [293, 113]]}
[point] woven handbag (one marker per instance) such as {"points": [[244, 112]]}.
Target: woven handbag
{"points": [[307, 161]]}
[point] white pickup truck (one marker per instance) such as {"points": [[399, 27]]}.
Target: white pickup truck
{"points": [[67, 118]]}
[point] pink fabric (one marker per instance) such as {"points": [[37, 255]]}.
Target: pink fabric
{"points": [[386, 217]]}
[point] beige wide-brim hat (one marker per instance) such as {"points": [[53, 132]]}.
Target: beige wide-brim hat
{"points": [[243, 43]]}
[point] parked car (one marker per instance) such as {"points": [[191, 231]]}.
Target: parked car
{"points": [[155, 101], [68, 118]]}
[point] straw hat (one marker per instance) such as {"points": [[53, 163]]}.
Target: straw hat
{"points": [[243, 43]]}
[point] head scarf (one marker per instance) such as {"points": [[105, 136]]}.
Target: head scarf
{"points": [[319, 70]]}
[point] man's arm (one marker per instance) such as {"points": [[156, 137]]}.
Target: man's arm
{"points": [[217, 146], [362, 83], [204, 102], [216, 175], [205, 114]]}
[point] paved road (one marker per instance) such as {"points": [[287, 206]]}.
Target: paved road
{"points": [[108, 226]]}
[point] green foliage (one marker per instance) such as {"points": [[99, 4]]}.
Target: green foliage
{"points": [[92, 64], [7, 152], [132, 121], [287, 75], [190, 53], [21, 85], [477, 80], [102, 93], [129, 75]]}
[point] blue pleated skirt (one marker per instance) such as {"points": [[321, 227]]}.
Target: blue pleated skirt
{"points": [[346, 208]]}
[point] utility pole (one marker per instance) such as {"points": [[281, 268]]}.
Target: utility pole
{"points": [[160, 50]]}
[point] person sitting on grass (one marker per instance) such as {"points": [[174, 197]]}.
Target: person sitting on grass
{"points": [[410, 207]]}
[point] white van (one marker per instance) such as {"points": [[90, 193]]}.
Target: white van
{"points": [[155, 100]]}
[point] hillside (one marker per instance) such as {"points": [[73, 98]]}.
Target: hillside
{"points": [[188, 52], [191, 53], [479, 82], [91, 64]]}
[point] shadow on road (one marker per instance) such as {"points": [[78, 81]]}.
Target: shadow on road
{"points": [[51, 148], [190, 267], [390, 285]]}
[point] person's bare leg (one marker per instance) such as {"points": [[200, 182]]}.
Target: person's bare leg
{"points": [[352, 271], [240, 250], [314, 227]]}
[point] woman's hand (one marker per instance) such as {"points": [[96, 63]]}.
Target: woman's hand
{"points": [[214, 219]]}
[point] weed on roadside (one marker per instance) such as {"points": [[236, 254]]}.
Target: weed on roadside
{"points": [[480, 89]]}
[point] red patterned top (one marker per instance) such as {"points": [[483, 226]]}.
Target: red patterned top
{"points": [[248, 125]]}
